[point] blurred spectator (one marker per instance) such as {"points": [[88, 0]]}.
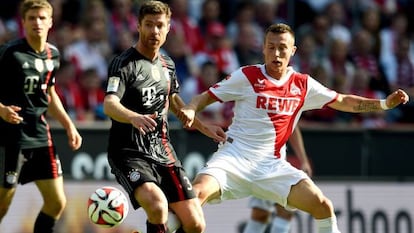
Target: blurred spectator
{"points": [[182, 23], [209, 75], [389, 36], [122, 19], [69, 91], [360, 86], [404, 79], [63, 36], [245, 15], [371, 23], [210, 13], [175, 46], [91, 51], [363, 56], [305, 58], [266, 11], [247, 48], [124, 40], [325, 114], [220, 49], [92, 94], [5, 34], [337, 64], [319, 27], [336, 13]]}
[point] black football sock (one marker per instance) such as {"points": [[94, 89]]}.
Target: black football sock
{"points": [[44, 223], [180, 230], [156, 228]]}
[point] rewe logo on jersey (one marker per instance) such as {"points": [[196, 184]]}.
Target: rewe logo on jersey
{"points": [[278, 105]]}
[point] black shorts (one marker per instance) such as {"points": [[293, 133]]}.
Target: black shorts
{"points": [[133, 172], [27, 165]]}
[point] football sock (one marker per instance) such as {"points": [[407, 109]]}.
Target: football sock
{"points": [[173, 222], [280, 225], [253, 226], [327, 225], [156, 228], [180, 230], [44, 223]]}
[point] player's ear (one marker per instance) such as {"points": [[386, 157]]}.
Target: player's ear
{"points": [[293, 51]]}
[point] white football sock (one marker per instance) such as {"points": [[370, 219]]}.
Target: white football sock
{"points": [[327, 225], [253, 226], [173, 223], [280, 225]]}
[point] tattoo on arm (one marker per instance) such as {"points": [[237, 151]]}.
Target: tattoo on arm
{"points": [[367, 106]]}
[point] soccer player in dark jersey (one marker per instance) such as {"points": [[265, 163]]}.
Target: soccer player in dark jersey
{"points": [[142, 87], [27, 91]]}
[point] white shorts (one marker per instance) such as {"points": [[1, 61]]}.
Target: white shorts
{"points": [[239, 177]]}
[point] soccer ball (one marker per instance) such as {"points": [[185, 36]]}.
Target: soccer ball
{"points": [[107, 207]]}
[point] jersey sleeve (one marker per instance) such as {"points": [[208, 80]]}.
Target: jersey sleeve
{"points": [[230, 88], [318, 95], [116, 82]]}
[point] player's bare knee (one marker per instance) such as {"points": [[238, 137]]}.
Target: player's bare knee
{"points": [[55, 208], [324, 209], [260, 215], [157, 213], [198, 226]]}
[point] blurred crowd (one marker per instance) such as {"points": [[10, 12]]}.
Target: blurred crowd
{"points": [[364, 47]]}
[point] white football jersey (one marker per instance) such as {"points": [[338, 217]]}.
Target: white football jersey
{"points": [[267, 110]]}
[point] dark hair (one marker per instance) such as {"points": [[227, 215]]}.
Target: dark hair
{"points": [[34, 4], [153, 7]]}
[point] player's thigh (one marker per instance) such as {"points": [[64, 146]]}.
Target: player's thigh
{"points": [[206, 188], [151, 198], [306, 196], [189, 212], [52, 191]]}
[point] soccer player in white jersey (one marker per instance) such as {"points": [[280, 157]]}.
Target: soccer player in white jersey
{"points": [[269, 100]]}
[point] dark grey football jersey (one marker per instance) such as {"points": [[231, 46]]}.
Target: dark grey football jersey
{"points": [[24, 81], [143, 86]]}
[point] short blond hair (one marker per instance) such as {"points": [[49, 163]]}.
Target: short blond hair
{"points": [[27, 5]]}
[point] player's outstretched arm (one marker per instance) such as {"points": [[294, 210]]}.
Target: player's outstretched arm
{"points": [[199, 102], [177, 106], [356, 104]]}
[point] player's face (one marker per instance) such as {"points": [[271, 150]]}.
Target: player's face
{"points": [[153, 31], [277, 50], [37, 23]]}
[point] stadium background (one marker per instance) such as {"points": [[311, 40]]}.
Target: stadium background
{"points": [[367, 172]]}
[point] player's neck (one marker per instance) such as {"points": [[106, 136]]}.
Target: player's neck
{"points": [[38, 45], [151, 54], [275, 73]]}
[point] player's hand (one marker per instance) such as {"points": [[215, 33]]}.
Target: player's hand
{"points": [[397, 97], [10, 114], [216, 133], [145, 123], [74, 138], [186, 115]]}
